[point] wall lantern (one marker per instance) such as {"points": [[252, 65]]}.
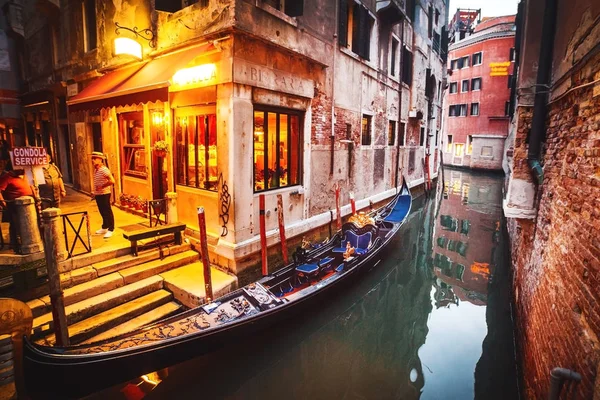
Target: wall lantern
{"points": [[194, 75], [157, 118], [128, 46]]}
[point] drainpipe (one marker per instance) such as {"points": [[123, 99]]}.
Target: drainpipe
{"points": [[538, 125], [558, 376]]}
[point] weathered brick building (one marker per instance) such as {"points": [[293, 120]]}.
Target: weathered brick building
{"points": [[552, 200], [250, 97], [476, 106]]}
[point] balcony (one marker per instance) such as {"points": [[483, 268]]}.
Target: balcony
{"points": [[392, 11]]}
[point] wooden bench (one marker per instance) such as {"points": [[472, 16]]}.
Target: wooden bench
{"points": [[147, 233]]}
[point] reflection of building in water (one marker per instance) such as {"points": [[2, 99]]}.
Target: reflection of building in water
{"points": [[467, 227]]}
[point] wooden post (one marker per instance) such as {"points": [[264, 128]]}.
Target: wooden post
{"points": [[337, 207], [263, 235], [208, 292], [352, 203], [52, 250], [281, 228]]}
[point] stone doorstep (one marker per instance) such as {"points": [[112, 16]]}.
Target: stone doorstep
{"points": [[100, 323], [163, 311], [156, 267], [97, 256], [187, 283], [18, 259], [42, 325], [112, 265], [114, 280]]}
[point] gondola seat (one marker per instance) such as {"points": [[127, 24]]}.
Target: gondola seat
{"points": [[360, 243]]}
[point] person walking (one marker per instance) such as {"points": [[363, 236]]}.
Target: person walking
{"points": [[103, 180], [54, 188]]}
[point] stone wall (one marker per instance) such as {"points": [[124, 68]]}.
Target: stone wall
{"points": [[556, 257]]}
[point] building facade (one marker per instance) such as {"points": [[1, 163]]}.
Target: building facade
{"points": [[552, 198], [481, 59], [224, 101]]}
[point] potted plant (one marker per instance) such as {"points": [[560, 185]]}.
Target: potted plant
{"points": [[161, 148]]}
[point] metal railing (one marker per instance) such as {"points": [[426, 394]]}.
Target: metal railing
{"points": [[69, 227]]}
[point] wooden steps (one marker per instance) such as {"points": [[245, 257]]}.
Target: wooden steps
{"points": [[147, 318], [108, 319]]}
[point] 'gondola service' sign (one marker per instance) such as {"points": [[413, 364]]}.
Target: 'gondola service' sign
{"points": [[28, 156], [499, 68]]}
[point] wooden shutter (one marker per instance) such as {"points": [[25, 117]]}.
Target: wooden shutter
{"points": [[364, 32], [294, 8], [343, 23], [355, 28]]}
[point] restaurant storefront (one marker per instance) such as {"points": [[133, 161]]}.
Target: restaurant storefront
{"points": [[211, 125]]}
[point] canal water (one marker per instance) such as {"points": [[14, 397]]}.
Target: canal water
{"points": [[431, 322]]}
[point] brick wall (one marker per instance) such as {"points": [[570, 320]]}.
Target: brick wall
{"points": [[556, 257]]}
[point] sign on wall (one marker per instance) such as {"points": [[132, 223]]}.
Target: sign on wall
{"points": [[499, 68]]}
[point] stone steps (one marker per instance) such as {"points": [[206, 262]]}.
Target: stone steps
{"points": [[81, 310], [147, 318], [104, 321], [128, 271]]}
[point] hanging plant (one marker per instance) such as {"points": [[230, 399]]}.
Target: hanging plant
{"points": [[161, 148]]}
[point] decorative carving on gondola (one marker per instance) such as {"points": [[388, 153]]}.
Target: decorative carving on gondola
{"points": [[361, 219], [225, 200]]}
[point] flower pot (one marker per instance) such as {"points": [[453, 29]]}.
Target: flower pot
{"points": [[160, 153]]}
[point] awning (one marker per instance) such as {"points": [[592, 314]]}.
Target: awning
{"points": [[135, 84]]}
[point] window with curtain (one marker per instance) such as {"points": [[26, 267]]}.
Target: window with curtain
{"points": [[133, 153], [277, 148], [196, 151]]}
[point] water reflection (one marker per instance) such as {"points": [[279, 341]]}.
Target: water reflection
{"points": [[412, 328]]}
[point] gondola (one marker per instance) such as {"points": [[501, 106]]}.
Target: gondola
{"points": [[79, 370]]}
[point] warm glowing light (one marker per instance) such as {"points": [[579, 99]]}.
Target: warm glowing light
{"points": [[183, 120], [194, 75], [128, 46], [157, 118]]}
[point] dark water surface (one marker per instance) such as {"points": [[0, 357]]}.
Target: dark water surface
{"points": [[431, 322]]}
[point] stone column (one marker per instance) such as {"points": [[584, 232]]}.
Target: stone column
{"points": [[172, 216], [31, 240], [55, 251]]}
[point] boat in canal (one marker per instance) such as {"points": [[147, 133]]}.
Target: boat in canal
{"points": [[312, 276]]}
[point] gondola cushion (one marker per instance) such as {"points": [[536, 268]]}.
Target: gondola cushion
{"points": [[307, 268]]}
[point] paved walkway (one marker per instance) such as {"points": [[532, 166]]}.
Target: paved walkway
{"points": [[77, 202]]}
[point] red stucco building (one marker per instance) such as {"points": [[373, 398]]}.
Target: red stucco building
{"points": [[480, 67]]}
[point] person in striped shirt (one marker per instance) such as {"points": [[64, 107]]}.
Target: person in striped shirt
{"points": [[103, 180]]}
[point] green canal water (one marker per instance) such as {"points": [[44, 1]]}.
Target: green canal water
{"points": [[431, 322]]}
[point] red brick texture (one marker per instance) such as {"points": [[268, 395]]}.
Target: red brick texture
{"points": [[556, 257]]}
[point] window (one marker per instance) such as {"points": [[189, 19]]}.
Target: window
{"points": [[196, 150], [89, 25], [512, 54], [401, 141], [366, 130], [477, 58], [453, 87], [133, 153], [436, 42], [509, 81], [459, 149], [463, 62], [507, 109], [465, 225], [465, 86], [422, 138], [355, 25], [453, 64], [277, 148], [437, 16], [460, 271], [394, 56], [430, 21], [407, 66], [476, 84], [486, 151], [475, 109], [469, 144], [391, 133], [458, 110], [449, 144]]}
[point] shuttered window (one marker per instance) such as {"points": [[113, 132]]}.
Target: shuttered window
{"points": [[355, 24], [407, 66]]}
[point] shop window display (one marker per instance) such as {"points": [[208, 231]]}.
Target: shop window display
{"points": [[196, 163], [131, 127], [277, 144]]}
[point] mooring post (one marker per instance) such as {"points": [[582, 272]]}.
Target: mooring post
{"points": [[27, 222], [54, 250], [337, 207], [281, 228], [263, 235], [171, 199], [352, 203], [208, 292]]}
